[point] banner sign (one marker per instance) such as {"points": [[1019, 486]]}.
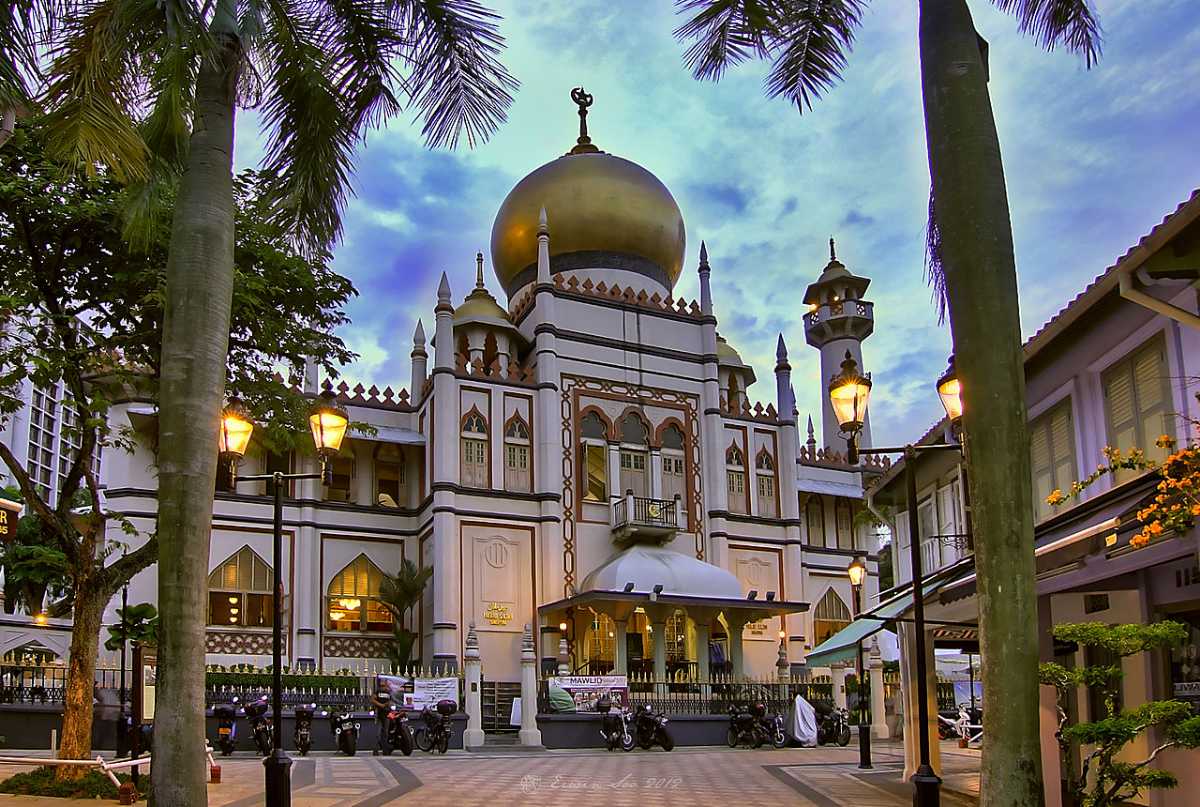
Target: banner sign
{"points": [[579, 693], [417, 693]]}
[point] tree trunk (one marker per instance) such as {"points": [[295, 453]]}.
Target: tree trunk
{"points": [[199, 289], [971, 212], [81, 678]]}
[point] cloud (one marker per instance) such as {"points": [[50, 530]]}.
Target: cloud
{"points": [[1092, 160]]}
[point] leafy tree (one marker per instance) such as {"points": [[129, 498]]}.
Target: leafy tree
{"points": [[973, 268], [82, 308], [320, 73], [1103, 780], [136, 624], [400, 593]]}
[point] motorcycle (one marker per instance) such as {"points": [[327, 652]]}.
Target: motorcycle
{"points": [[345, 732], [303, 733], [226, 715], [650, 728], [773, 726], [399, 735], [435, 734], [261, 725], [745, 727], [614, 726], [834, 726]]}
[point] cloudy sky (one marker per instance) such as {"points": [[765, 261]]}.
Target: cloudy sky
{"points": [[1093, 159]]}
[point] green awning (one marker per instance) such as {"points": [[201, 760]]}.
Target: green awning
{"points": [[843, 645]]}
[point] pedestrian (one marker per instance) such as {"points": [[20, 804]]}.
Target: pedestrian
{"points": [[382, 701]]}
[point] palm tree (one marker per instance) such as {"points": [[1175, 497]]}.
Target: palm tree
{"points": [[150, 89], [807, 43], [25, 25], [400, 594]]}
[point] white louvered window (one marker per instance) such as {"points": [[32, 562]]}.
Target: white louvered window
{"points": [[1052, 456], [516, 456], [474, 470], [1137, 403]]}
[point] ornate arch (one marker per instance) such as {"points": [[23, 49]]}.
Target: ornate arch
{"points": [[516, 419], [763, 454], [667, 423], [592, 409], [636, 413], [471, 414]]}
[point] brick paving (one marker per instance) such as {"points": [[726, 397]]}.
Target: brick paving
{"points": [[695, 777]]}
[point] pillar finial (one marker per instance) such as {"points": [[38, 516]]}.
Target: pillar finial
{"points": [[583, 100], [443, 291], [543, 223], [781, 349], [703, 256], [832, 251], [419, 334], [479, 270]]}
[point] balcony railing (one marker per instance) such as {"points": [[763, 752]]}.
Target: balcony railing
{"points": [[639, 514]]}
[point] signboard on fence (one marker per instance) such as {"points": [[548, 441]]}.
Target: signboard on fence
{"points": [[579, 693], [417, 693]]}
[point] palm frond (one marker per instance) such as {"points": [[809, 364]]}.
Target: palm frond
{"points": [[935, 271], [726, 33], [1069, 23], [91, 91], [811, 42], [456, 79], [363, 48], [25, 28], [310, 137]]}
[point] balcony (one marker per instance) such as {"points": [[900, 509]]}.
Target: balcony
{"points": [[638, 517]]}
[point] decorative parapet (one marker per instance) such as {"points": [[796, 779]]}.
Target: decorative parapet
{"points": [[355, 647], [515, 373], [601, 291], [241, 643], [765, 414], [828, 457], [358, 395]]}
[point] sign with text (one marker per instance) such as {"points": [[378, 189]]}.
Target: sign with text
{"points": [[579, 693], [417, 693], [9, 513]]}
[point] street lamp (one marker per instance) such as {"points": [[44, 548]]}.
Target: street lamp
{"points": [[328, 422], [857, 570], [849, 391], [850, 385]]}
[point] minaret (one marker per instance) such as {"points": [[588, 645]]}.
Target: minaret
{"points": [[419, 361], [783, 383], [717, 498], [445, 555], [837, 321], [786, 477]]}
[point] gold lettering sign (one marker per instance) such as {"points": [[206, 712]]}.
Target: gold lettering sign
{"points": [[4, 524], [497, 614], [757, 628]]}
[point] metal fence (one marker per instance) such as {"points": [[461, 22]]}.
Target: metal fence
{"points": [[47, 683]]}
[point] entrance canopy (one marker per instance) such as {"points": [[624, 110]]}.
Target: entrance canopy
{"points": [[621, 604]]}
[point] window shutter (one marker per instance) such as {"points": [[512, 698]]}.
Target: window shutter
{"points": [[1151, 395], [1118, 394]]}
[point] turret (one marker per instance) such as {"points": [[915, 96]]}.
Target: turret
{"points": [[443, 333], [838, 320], [420, 360], [783, 382], [705, 287]]}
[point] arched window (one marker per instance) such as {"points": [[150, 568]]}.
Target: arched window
{"points": [[634, 430], [673, 482], [474, 470], [735, 478], [764, 467], [516, 455], [341, 485], [844, 515], [830, 616], [635, 437], [389, 476], [814, 517], [353, 599], [240, 592], [735, 394], [593, 457], [676, 639]]}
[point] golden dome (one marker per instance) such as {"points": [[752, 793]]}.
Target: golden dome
{"points": [[727, 356], [603, 211]]}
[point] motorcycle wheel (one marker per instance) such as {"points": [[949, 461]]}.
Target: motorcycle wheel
{"points": [[443, 744], [757, 739], [843, 738], [627, 742], [645, 741], [406, 740], [421, 740], [731, 737], [665, 739], [349, 745], [780, 739]]}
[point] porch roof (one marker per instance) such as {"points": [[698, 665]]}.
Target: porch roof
{"points": [[623, 603]]}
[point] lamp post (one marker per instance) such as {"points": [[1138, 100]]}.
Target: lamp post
{"points": [[849, 392], [328, 423], [857, 570]]}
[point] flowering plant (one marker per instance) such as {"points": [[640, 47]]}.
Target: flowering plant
{"points": [[1176, 504]]}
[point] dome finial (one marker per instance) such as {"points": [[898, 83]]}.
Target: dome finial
{"points": [[479, 270], [583, 100], [832, 251]]}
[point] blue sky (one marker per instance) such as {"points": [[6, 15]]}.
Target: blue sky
{"points": [[1093, 159]]}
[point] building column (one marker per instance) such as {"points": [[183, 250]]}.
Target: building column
{"points": [[620, 650], [735, 644], [446, 560], [473, 737], [1052, 773], [910, 690], [839, 686], [713, 471], [529, 733], [659, 625], [655, 471], [703, 632], [879, 726]]}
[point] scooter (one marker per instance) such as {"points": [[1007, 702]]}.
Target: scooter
{"points": [[303, 733], [261, 725], [773, 726], [226, 715], [834, 726], [650, 729], [345, 732], [614, 726], [399, 735]]}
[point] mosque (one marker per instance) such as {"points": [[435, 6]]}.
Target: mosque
{"points": [[584, 456]]}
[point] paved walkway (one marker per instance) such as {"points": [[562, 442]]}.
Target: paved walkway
{"points": [[696, 777]]}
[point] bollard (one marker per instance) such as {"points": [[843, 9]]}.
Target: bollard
{"points": [[126, 793], [214, 774]]}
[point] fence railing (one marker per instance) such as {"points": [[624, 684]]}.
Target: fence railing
{"points": [[47, 683], [640, 511]]}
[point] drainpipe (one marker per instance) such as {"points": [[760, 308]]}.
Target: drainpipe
{"points": [[1130, 292]]}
